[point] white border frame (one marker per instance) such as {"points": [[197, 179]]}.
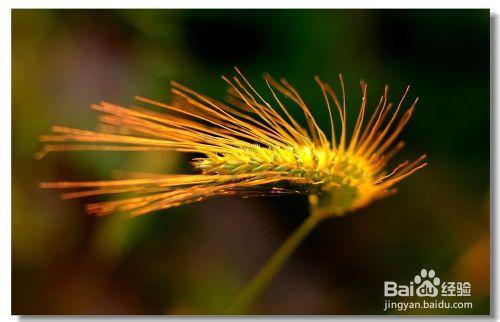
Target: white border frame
{"points": [[5, 129]]}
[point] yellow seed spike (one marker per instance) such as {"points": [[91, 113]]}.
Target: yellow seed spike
{"points": [[246, 147]]}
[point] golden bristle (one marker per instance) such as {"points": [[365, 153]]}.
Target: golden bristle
{"points": [[248, 147]]}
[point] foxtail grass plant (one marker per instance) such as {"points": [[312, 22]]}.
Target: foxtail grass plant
{"points": [[248, 146]]}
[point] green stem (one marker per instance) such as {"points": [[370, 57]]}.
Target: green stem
{"points": [[266, 274]]}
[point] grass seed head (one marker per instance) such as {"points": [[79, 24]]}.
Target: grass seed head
{"points": [[249, 146]]}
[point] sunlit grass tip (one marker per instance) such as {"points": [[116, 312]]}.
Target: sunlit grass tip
{"points": [[248, 146]]}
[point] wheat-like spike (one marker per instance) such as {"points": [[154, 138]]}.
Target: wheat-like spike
{"points": [[248, 147]]}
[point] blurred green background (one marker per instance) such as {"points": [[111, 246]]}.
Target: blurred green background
{"points": [[194, 259]]}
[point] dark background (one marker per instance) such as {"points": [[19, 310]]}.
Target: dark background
{"points": [[194, 259]]}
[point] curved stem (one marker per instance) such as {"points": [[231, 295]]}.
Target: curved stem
{"points": [[253, 289]]}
